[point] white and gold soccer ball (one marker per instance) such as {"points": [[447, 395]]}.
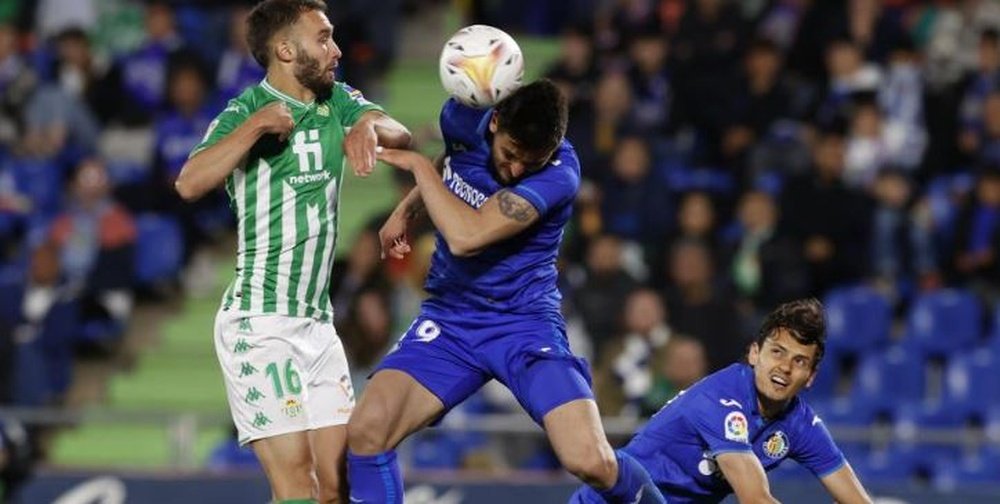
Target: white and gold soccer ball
{"points": [[481, 65]]}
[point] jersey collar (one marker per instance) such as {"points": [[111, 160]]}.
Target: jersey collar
{"points": [[274, 91]]}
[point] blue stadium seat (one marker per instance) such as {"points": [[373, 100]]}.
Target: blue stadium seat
{"points": [[824, 386], [980, 468], [159, 249], [972, 383], [858, 320], [944, 322], [41, 181], [886, 379], [894, 465]]}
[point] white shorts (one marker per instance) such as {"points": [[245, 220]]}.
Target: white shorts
{"points": [[283, 374]]}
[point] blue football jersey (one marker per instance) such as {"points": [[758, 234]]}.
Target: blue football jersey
{"points": [[719, 414], [516, 275]]}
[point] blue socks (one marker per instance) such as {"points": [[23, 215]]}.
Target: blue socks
{"points": [[375, 479], [633, 486]]}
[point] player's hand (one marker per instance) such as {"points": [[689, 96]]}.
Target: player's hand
{"points": [[392, 236], [402, 159], [359, 147], [276, 118]]}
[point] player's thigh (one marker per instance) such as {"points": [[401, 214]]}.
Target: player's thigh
{"points": [[393, 406], [287, 461], [329, 446], [575, 431], [258, 359]]}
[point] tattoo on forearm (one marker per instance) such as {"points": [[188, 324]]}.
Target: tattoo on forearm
{"points": [[514, 207]]}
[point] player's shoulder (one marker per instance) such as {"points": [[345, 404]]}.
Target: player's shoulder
{"points": [[343, 91], [461, 122], [802, 417], [723, 390], [250, 100]]}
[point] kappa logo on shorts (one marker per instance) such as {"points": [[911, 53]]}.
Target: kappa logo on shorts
{"points": [[247, 369], [245, 325], [254, 395], [346, 387], [242, 347], [260, 420]]}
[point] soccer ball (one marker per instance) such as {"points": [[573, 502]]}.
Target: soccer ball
{"points": [[481, 65]]}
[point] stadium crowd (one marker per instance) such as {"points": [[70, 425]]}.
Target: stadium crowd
{"points": [[735, 155]]}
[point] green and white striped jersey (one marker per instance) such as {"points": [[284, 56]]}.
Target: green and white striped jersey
{"points": [[285, 196]]}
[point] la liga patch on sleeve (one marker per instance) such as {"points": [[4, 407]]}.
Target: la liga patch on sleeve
{"points": [[736, 427]]}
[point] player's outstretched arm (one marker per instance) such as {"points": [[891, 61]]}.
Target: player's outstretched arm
{"points": [[207, 169], [747, 477], [392, 234], [844, 486], [373, 128], [466, 230]]}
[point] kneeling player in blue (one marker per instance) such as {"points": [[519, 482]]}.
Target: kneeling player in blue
{"points": [[507, 189], [724, 433]]}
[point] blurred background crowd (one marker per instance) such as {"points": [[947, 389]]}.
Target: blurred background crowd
{"points": [[735, 154]]}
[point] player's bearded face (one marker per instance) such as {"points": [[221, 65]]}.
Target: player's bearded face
{"points": [[313, 73], [782, 366]]}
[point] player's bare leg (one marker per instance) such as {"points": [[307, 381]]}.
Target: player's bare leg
{"points": [[329, 447], [288, 463], [393, 406], [577, 436]]}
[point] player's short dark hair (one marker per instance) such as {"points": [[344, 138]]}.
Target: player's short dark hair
{"points": [[534, 116], [804, 321], [271, 16]]}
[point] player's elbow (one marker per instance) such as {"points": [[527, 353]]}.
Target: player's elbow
{"points": [[462, 247], [186, 189]]}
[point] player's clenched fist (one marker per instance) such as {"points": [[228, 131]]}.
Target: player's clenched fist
{"points": [[275, 118]]}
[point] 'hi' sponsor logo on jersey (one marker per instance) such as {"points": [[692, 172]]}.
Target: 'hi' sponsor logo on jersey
{"points": [[460, 187], [305, 144]]}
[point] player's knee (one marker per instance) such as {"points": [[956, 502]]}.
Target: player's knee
{"points": [[594, 466], [330, 491], [367, 431]]}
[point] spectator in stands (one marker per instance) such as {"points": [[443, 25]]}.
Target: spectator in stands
{"points": [[17, 81], [901, 100], [977, 237], [987, 139], [574, 69], [634, 203], [902, 247], [869, 147], [650, 80], [626, 365], [676, 366], [765, 265], [706, 53], [361, 271], [608, 117], [984, 81], [178, 129], [600, 296], [696, 220], [141, 75], [829, 219], [94, 238], [237, 68], [698, 307], [761, 99], [79, 74], [848, 74], [367, 334]]}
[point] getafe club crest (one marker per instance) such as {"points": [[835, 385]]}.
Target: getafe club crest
{"points": [[776, 445]]}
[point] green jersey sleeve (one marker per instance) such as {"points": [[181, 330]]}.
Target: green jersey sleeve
{"points": [[228, 120], [350, 103]]}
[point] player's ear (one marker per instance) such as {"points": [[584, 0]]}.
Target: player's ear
{"points": [[494, 125], [284, 48], [753, 356], [812, 377]]}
